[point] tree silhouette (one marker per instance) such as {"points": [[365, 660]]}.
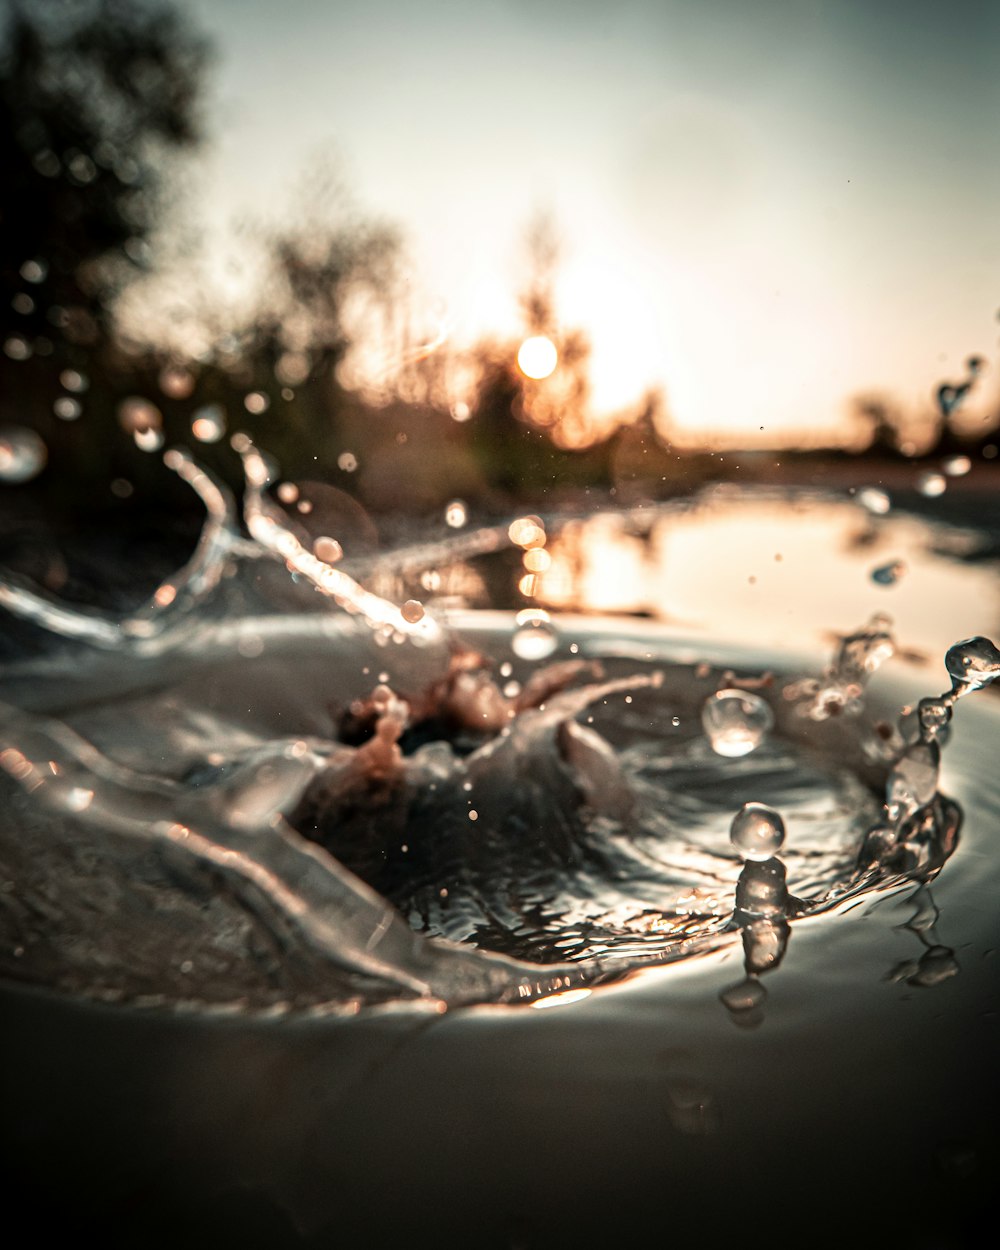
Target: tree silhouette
{"points": [[92, 101]]}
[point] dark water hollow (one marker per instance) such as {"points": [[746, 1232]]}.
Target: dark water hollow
{"points": [[860, 1106]]}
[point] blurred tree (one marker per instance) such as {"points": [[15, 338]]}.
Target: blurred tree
{"points": [[332, 274], [537, 434], [881, 422], [96, 97], [93, 98]]}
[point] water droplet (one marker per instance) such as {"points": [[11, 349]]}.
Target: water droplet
{"points": [[67, 408], [79, 798], [456, 514], [139, 416], [527, 531], [22, 454], [888, 574], [957, 466], [73, 380], [757, 832], [932, 484], [675, 721], [288, 492], [208, 424], [148, 440], [81, 168], [735, 722], [949, 397], [913, 779], [175, 382], [17, 348], [535, 637], [862, 653], [412, 611], [973, 663], [34, 271], [537, 560], [347, 461], [324, 548], [934, 716], [256, 402]]}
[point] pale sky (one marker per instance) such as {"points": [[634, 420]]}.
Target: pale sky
{"points": [[767, 205]]}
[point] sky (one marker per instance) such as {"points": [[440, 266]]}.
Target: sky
{"points": [[766, 207]]}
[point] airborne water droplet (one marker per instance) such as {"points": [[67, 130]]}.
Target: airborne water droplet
{"points": [[875, 501], [73, 380], [888, 574], [934, 716], [22, 454], [17, 348], [412, 611], [208, 424], [256, 402], [326, 549], [148, 440], [735, 722], [949, 397], [138, 417], [932, 484], [456, 514], [913, 780], [757, 832], [973, 663], [66, 408], [535, 637]]}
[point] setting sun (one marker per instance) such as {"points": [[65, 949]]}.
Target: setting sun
{"points": [[537, 357]]}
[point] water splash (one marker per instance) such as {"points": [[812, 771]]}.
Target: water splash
{"points": [[736, 722], [169, 613], [440, 839], [268, 528]]}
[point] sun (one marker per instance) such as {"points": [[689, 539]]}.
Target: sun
{"points": [[537, 357]]}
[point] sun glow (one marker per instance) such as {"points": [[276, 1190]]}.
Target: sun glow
{"points": [[537, 357]]}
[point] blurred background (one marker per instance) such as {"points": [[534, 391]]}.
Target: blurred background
{"points": [[494, 254]]}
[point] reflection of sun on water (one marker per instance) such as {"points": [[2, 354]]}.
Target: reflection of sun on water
{"points": [[773, 572], [537, 357]]}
